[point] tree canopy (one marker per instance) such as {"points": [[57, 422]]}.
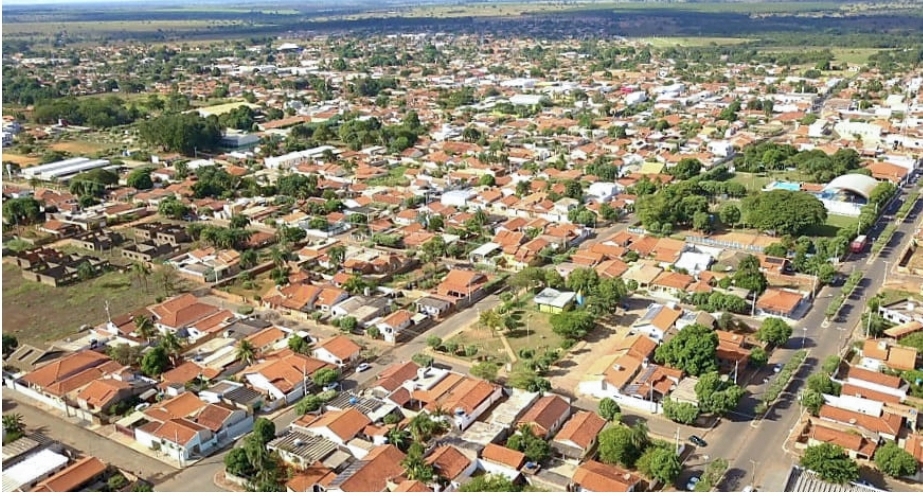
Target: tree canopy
{"points": [[895, 461], [830, 462], [181, 132], [691, 350], [784, 212]]}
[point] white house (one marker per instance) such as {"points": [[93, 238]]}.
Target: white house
{"points": [[603, 191], [337, 350], [879, 382], [392, 325], [693, 262]]}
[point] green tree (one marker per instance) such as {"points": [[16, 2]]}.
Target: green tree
{"points": [[759, 357], [526, 441], [784, 212], [485, 370], [308, 403], [681, 412], [10, 343], [609, 409], [415, 465], [729, 214], [821, 383], [433, 341], [325, 376], [140, 179], [299, 344], [812, 400], [830, 462], [154, 362], [572, 324], [423, 360], [660, 463], [248, 259], [774, 331], [183, 133], [717, 396], [172, 208], [264, 430], [692, 350], [245, 351], [237, 463], [749, 276], [528, 379], [686, 168], [22, 211], [488, 483], [618, 446], [13, 425], [895, 461]]}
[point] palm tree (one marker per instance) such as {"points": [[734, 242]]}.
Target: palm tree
{"points": [[246, 351], [173, 345], [13, 424], [337, 255], [141, 272], [278, 257], [144, 327], [398, 437], [639, 437], [415, 466], [491, 319], [247, 259]]}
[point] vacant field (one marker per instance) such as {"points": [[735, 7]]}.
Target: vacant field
{"points": [[753, 182], [38, 314], [257, 288], [14, 29], [855, 56], [22, 160], [78, 147], [487, 342], [685, 41]]}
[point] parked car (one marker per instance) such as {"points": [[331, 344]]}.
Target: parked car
{"points": [[777, 368], [698, 441], [363, 367], [690, 484], [333, 386], [748, 488]]}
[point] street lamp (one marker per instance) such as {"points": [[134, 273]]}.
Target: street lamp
{"points": [[804, 336]]}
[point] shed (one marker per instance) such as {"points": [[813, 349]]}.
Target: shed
{"points": [[554, 301]]}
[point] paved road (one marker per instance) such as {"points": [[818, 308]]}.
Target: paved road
{"points": [[759, 448]]}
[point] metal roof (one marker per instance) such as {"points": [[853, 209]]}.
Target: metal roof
{"points": [[856, 183], [308, 447]]}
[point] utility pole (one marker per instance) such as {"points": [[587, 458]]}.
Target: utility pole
{"points": [[752, 473]]}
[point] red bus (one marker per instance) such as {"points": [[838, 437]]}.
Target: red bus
{"points": [[858, 245]]}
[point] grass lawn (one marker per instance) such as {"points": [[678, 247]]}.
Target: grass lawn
{"points": [[856, 56], [38, 314], [754, 182], [535, 333], [833, 225]]}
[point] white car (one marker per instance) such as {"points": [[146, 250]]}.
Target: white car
{"points": [[363, 367], [777, 368]]}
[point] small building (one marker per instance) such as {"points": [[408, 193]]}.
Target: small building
{"points": [[594, 476], [779, 302], [35, 468], [554, 301], [394, 324], [337, 350], [577, 439], [546, 416]]}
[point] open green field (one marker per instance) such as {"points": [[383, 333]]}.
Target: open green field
{"points": [[39, 314]]}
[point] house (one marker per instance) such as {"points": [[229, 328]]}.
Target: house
{"points": [[546, 416], [670, 285], [779, 302], [460, 286], [307, 453], [283, 377], [370, 474], [578, 437], [53, 381], [878, 354], [914, 445], [886, 425], [337, 350], [34, 468], [903, 311], [394, 324], [161, 233], [497, 459], [82, 474], [314, 478], [234, 394], [657, 321], [394, 377], [179, 312], [364, 309], [879, 382], [337, 426], [855, 445], [185, 427], [147, 251], [207, 264], [267, 339], [99, 395], [433, 306], [594, 476], [452, 465], [296, 299], [554, 301]]}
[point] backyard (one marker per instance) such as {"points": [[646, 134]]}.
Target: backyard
{"points": [[37, 314]]}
